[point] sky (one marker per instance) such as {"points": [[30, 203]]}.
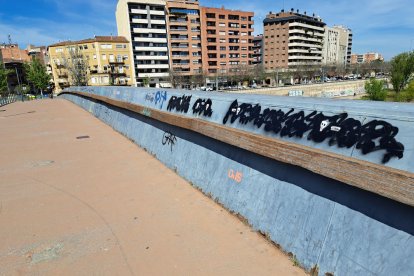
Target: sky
{"points": [[384, 26]]}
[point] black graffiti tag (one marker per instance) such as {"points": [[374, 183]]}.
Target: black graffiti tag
{"points": [[180, 104], [337, 129], [169, 139], [203, 107]]}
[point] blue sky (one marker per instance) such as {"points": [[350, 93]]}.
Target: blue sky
{"points": [[385, 26]]}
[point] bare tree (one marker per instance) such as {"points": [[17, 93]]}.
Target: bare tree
{"points": [[198, 79], [259, 73], [176, 78], [77, 66]]}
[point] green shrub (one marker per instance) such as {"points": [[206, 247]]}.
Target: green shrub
{"points": [[406, 95], [375, 90]]}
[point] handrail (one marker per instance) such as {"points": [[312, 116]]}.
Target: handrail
{"points": [[386, 181], [8, 99]]}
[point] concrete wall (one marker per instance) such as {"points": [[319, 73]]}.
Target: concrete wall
{"points": [[325, 90], [340, 228]]}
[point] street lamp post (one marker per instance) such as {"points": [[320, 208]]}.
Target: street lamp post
{"points": [[18, 81]]}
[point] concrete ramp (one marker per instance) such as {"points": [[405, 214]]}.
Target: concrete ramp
{"points": [[77, 198], [330, 181]]}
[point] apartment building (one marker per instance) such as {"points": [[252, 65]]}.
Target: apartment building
{"points": [[13, 58], [184, 36], [345, 43], [292, 39], [143, 22], [227, 40], [257, 50], [107, 58], [38, 52], [337, 45], [13, 52], [366, 58]]}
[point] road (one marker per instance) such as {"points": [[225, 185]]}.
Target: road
{"points": [[78, 198]]}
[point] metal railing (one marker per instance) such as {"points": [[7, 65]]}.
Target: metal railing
{"points": [[8, 99]]}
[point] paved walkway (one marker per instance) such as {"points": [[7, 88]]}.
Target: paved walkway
{"points": [[102, 206]]}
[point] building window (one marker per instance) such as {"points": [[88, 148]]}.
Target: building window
{"points": [[59, 50], [106, 46], [104, 57]]}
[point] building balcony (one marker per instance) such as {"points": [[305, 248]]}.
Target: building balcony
{"points": [[299, 63], [304, 44], [179, 56], [178, 30], [305, 57], [117, 73], [152, 75], [138, 11], [149, 57], [178, 22], [306, 32], [151, 49], [153, 66], [181, 47], [158, 22], [179, 38], [295, 37], [142, 21], [306, 26], [181, 64], [150, 39], [157, 12], [149, 31], [99, 72], [115, 61], [304, 51]]}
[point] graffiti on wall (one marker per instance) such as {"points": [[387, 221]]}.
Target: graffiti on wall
{"points": [[180, 104], [158, 98], [235, 175], [169, 139], [295, 93], [337, 129], [203, 107]]}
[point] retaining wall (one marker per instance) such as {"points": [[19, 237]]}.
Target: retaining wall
{"points": [[324, 90], [323, 221]]}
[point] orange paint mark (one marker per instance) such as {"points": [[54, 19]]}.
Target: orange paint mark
{"points": [[236, 176]]}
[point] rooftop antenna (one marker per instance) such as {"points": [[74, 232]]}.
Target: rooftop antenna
{"points": [[10, 46]]}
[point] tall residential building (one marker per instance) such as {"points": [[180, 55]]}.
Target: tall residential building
{"points": [[366, 58], [257, 50], [227, 40], [143, 22], [107, 58], [337, 45], [292, 39], [184, 36], [345, 41]]}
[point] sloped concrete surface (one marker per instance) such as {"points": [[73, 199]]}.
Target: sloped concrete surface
{"points": [[99, 205]]}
